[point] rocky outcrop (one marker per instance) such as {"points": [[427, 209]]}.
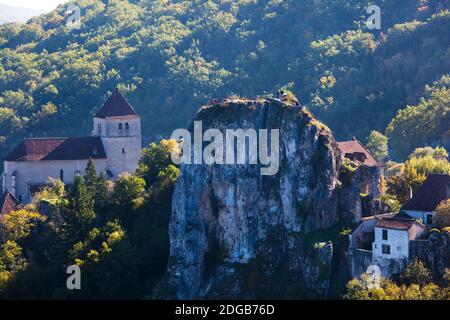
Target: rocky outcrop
{"points": [[434, 252], [237, 234]]}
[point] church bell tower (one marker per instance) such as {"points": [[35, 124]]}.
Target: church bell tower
{"points": [[119, 127]]}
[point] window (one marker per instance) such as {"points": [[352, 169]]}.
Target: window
{"points": [[13, 180], [385, 235], [120, 126], [429, 219], [61, 175], [385, 249], [127, 126], [123, 150], [399, 248], [99, 128]]}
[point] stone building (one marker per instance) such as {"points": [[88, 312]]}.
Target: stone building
{"points": [[361, 188], [391, 240], [384, 240], [115, 147]]}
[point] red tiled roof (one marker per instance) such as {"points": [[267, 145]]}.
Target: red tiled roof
{"points": [[58, 149], [392, 223], [8, 203], [116, 106], [355, 151], [434, 190]]}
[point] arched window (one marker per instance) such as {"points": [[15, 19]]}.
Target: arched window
{"points": [[123, 150], [127, 126], [61, 175], [120, 126]]}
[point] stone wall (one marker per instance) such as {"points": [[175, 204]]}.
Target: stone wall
{"points": [[360, 260], [364, 179], [434, 252], [38, 172]]}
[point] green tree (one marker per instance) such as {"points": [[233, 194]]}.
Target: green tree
{"points": [[156, 158], [97, 186], [17, 225], [416, 273], [78, 215], [108, 263], [11, 262], [437, 153], [378, 145], [128, 197], [129, 191], [424, 123]]}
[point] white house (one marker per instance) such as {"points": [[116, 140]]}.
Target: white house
{"points": [[115, 147], [393, 236], [424, 202], [384, 240]]}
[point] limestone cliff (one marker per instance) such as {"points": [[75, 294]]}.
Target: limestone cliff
{"points": [[237, 234]]}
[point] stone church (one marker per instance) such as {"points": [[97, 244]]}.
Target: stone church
{"points": [[115, 147]]}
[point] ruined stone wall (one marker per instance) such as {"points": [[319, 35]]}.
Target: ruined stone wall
{"points": [[360, 260], [353, 184]]}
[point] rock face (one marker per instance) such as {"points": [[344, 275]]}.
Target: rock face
{"points": [[434, 252], [237, 234]]}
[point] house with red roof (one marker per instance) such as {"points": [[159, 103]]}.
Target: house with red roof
{"points": [[393, 236], [391, 240], [355, 151], [114, 146], [361, 191], [384, 240]]}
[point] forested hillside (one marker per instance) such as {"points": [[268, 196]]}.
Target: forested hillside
{"points": [[169, 56]]}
